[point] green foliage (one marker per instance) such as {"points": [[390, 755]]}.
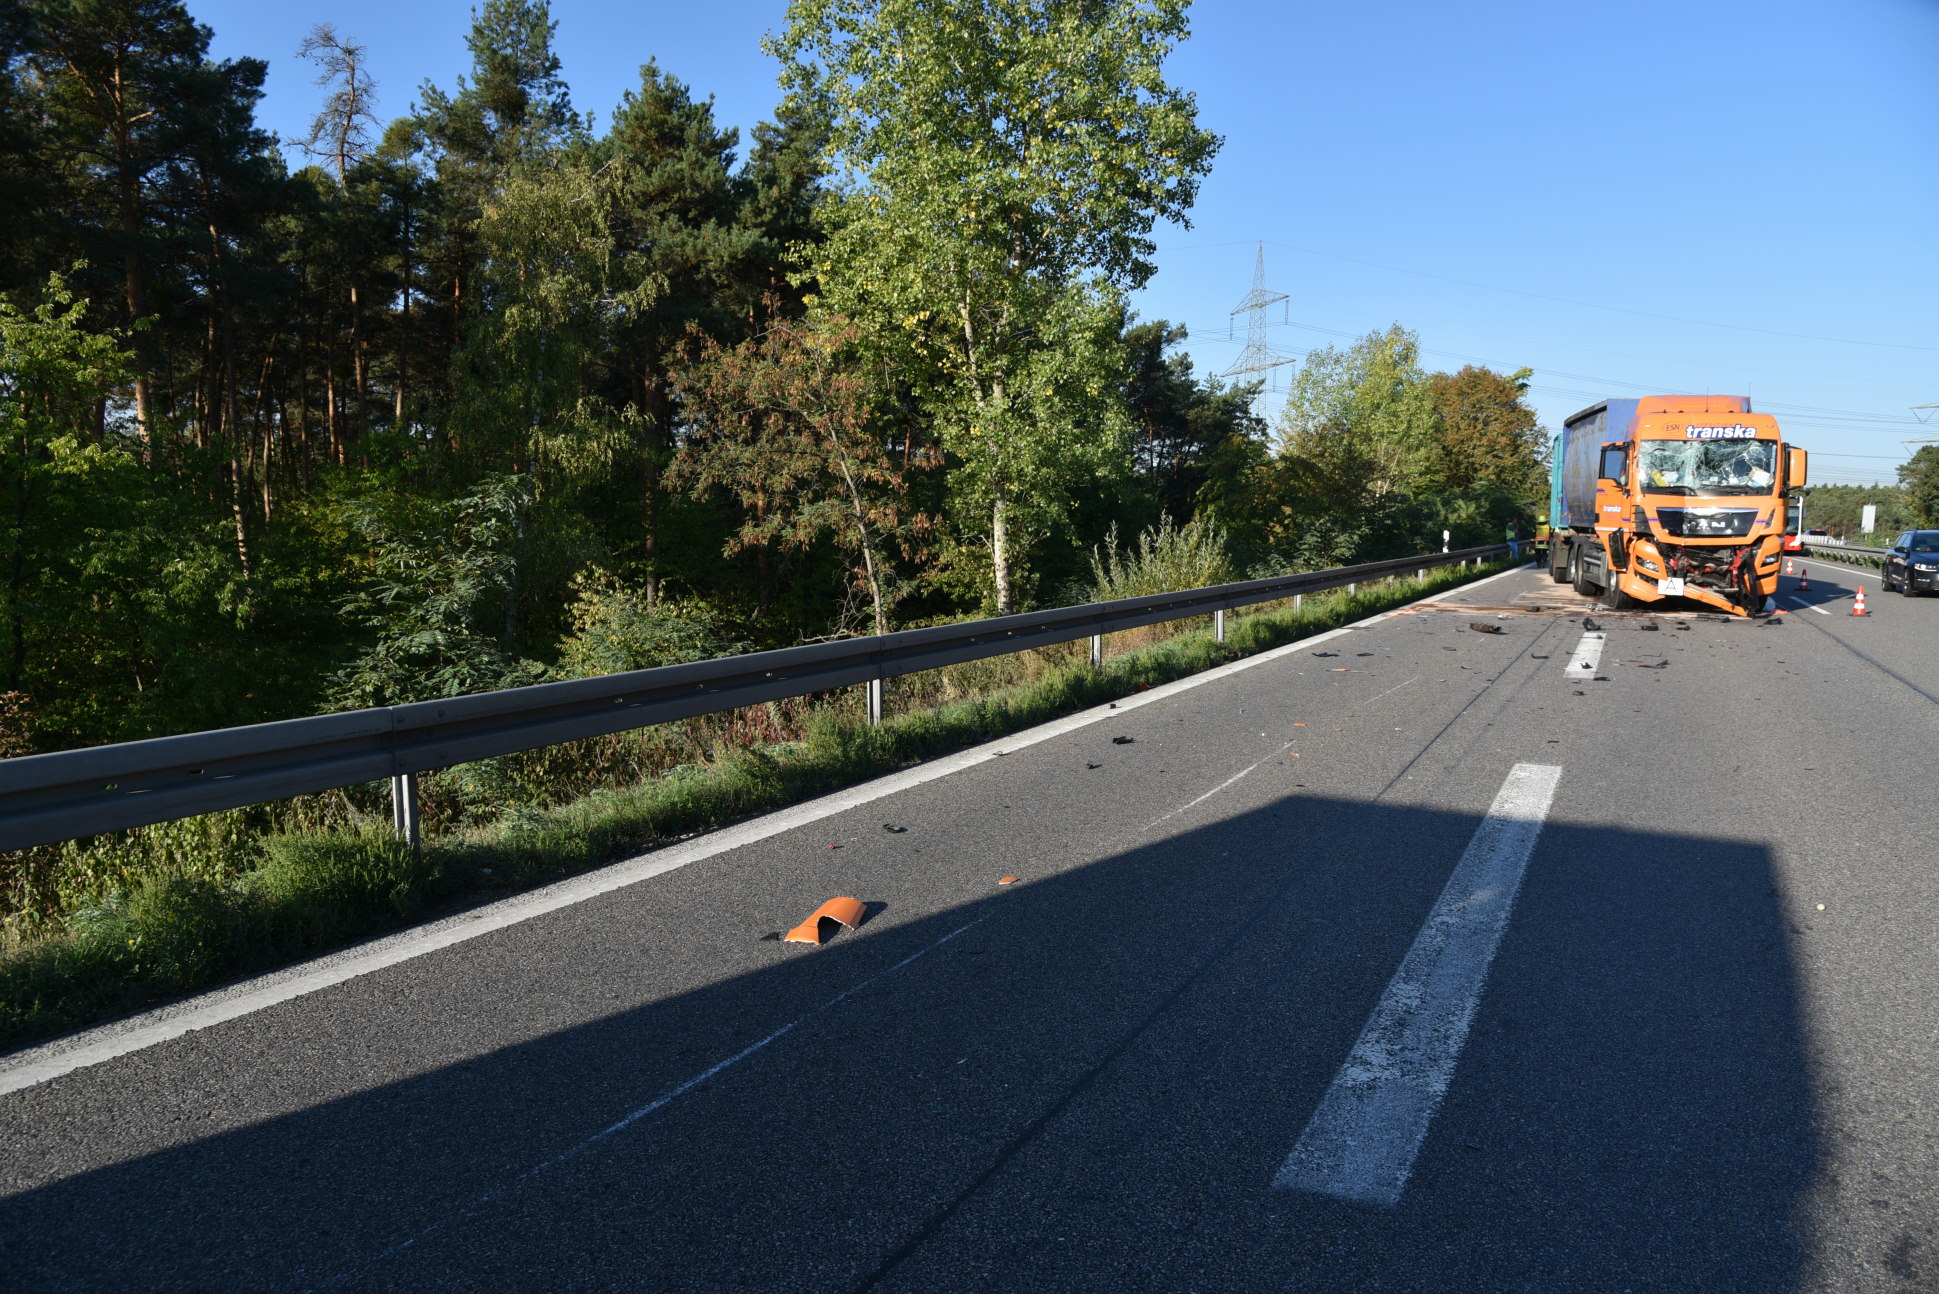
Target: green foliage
{"points": [[787, 423], [1166, 559], [1000, 170], [1487, 433], [615, 629], [431, 584], [515, 106], [1839, 510], [1363, 418], [1377, 457], [1919, 478], [56, 464]]}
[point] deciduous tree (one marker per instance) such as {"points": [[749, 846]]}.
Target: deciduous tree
{"points": [[1486, 430], [1919, 478], [787, 424], [1000, 166]]}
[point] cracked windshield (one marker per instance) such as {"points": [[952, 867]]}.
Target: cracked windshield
{"points": [[1708, 466]]}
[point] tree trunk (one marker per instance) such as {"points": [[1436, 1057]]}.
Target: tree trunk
{"points": [[862, 529], [1000, 552], [131, 271], [358, 362], [238, 486], [404, 324], [650, 540], [330, 428], [16, 576]]}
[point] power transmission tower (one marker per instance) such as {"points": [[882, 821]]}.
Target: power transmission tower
{"points": [[1258, 355], [1923, 412]]}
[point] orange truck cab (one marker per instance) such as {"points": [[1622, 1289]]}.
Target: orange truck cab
{"points": [[1672, 496]]}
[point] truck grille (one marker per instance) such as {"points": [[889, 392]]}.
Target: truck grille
{"points": [[1707, 523]]}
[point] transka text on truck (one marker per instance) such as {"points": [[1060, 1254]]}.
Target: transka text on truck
{"points": [[1672, 496]]}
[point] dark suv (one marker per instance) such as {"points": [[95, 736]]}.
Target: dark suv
{"points": [[1912, 567]]}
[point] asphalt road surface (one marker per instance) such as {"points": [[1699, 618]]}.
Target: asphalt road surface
{"points": [[1423, 964]]}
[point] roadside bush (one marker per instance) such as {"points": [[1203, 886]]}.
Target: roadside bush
{"points": [[1164, 561]]}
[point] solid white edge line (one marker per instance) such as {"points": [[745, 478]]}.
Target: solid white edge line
{"points": [[50, 1060], [1362, 1141], [1867, 572], [1802, 605]]}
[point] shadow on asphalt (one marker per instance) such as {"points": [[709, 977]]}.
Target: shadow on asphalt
{"points": [[1090, 1090]]}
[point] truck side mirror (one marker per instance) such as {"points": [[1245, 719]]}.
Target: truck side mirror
{"points": [[1615, 464], [1795, 460]]}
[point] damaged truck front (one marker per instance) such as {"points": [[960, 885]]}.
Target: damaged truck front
{"points": [[1672, 496]]}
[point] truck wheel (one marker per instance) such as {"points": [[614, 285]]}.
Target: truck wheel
{"points": [[1558, 564], [1615, 599], [1578, 576]]}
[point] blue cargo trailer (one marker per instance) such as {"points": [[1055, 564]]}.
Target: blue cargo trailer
{"points": [[1578, 451]]}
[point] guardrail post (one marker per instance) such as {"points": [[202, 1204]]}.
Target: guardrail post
{"points": [[1421, 574], [1097, 651], [403, 807], [1218, 625], [1299, 600], [875, 701], [1351, 586]]}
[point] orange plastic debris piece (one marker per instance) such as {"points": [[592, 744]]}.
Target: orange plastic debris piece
{"points": [[844, 910], [1006, 880]]}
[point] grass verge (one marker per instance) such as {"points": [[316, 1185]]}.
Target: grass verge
{"points": [[165, 936]]}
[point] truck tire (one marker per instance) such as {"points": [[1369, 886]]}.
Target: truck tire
{"points": [[1579, 576], [1558, 562], [1615, 599]]}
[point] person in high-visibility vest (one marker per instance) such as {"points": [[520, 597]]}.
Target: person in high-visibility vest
{"points": [[1541, 532]]}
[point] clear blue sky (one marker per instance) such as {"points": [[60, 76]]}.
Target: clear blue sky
{"points": [[1706, 195]]}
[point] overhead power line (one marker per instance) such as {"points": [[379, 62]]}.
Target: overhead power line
{"points": [[1596, 305]]}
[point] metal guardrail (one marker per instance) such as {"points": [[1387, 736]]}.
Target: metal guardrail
{"points": [[1828, 551], [74, 793]]}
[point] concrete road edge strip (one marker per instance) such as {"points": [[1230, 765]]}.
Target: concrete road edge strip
{"points": [[94, 1046]]}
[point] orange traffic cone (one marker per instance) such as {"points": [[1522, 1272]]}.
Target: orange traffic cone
{"points": [[1790, 567], [1858, 606], [1804, 579]]}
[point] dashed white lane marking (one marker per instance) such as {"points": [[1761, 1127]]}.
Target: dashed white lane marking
{"points": [[104, 1043], [1215, 790], [1390, 691], [654, 1105], [1362, 1140], [1248, 768], [1588, 655], [1809, 606]]}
